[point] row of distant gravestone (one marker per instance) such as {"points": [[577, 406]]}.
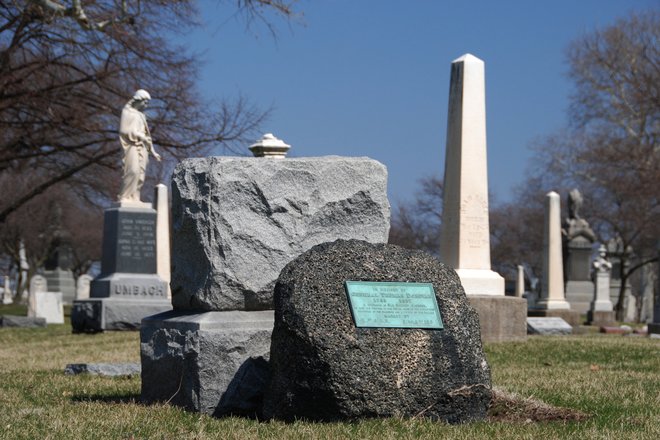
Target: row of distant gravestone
{"points": [[45, 304]]}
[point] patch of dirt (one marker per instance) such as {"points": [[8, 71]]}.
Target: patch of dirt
{"points": [[509, 407]]}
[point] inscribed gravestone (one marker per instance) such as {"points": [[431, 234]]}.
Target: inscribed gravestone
{"points": [[49, 305], [324, 367]]}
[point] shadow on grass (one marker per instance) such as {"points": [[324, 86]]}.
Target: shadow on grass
{"points": [[133, 399]]}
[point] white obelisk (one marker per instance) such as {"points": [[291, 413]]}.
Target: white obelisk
{"points": [[161, 205], [552, 292], [465, 239]]}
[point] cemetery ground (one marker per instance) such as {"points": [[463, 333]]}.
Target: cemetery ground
{"points": [[586, 386]]}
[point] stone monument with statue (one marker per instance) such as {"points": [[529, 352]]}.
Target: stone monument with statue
{"points": [[577, 242], [128, 287]]}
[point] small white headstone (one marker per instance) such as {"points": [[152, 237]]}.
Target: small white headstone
{"points": [[548, 326], [38, 284], [49, 306], [82, 287]]}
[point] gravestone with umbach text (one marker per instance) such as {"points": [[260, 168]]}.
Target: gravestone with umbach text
{"points": [[128, 288]]}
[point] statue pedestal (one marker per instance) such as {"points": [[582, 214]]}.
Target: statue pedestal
{"points": [[128, 288]]}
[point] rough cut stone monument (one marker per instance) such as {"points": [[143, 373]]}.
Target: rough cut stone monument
{"points": [[601, 310], [465, 238], [236, 223], [577, 243], [552, 302], [324, 367], [128, 288]]}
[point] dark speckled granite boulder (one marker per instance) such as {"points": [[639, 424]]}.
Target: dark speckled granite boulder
{"points": [[326, 369]]}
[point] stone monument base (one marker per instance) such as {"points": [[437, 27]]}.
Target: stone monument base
{"points": [[570, 316], [481, 282], [600, 318], [502, 318], [210, 362], [579, 295], [101, 314]]}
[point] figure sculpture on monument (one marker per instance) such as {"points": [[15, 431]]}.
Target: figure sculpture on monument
{"points": [[136, 142], [574, 225]]}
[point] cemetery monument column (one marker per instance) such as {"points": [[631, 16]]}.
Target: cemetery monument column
{"points": [[129, 287], [465, 238]]}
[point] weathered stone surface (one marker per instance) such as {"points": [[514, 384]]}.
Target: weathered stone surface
{"points": [[112, 370], [548, 326], [238, 221], [212, 362], [21, 321], [324, 368]]}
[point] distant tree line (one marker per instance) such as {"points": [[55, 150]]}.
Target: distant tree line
{"points": [[66, 70]]}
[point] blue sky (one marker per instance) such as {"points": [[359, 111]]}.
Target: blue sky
{"points": [[371, 78]]}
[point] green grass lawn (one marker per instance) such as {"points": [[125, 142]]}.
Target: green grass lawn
{"points": [[615, 380]]}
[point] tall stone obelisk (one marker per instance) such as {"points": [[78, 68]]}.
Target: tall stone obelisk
{"points": [[552, 293], [465, 239]]}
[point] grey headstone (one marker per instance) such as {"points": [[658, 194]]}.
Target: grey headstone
{"points": [[212, 362], [324, 368], [548, 326], [127, 369], [21, 321], [238, 221]]}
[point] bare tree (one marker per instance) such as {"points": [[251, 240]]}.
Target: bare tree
{"points": [[611, 150], [67, 68], [416, 223]]}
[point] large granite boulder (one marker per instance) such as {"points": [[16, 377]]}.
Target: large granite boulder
{"points": [[324, 368], [238, 221]]}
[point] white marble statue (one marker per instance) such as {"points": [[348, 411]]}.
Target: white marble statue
{"points": [[136, 142]]}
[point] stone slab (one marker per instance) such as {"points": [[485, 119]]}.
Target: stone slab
{"points": [[613, 330], [103, 314], [209, 362], [654, 328], [111, 370], [548, 326], [236, 222], [21, 321], [501, 318], [324, 368], [572, 317]]}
